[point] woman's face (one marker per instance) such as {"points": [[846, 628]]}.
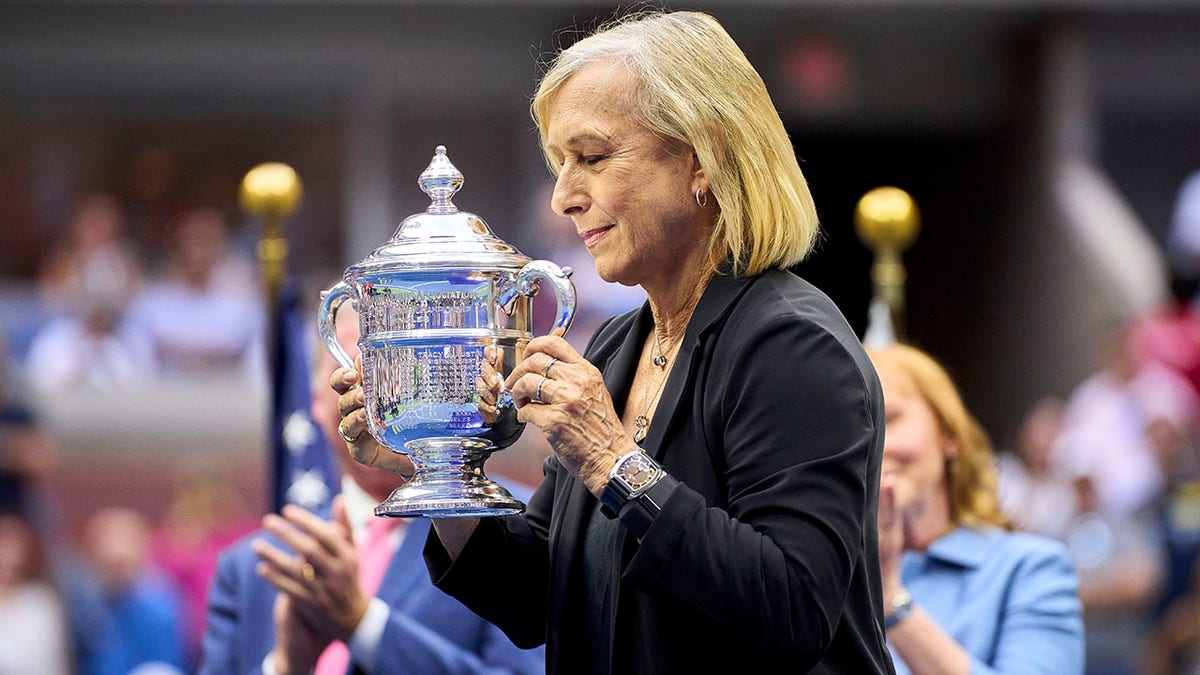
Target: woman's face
{"points": [[629, 194], [915, 448]]}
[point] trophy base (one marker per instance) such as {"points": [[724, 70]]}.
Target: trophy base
{"points": [[449, 483]]}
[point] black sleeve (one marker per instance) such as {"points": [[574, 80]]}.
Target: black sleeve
{"points": [[503, 572]]}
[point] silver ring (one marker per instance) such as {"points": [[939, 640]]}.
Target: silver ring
{"points": [[546, 368], [537, 391]]}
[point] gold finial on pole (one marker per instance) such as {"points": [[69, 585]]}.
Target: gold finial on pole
{"points": [[271, 191], [887, 220]]}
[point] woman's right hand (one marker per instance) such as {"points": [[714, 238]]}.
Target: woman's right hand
{"points": [[891, 536], [353, 425]]}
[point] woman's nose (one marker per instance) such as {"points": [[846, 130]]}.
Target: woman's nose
{"points": [[569, 197]]}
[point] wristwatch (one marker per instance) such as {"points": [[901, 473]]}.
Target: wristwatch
{"points": [[632, 475], [636, 490], [901, 609]]}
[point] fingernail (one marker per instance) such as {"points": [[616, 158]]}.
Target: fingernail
{"points": [[350, 376]]}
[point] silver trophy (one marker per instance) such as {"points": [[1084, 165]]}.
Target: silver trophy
{"points": [[430, 300]]}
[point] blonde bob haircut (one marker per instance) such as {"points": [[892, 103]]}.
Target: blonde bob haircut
{"points": [[697, 88], [970, 474]]}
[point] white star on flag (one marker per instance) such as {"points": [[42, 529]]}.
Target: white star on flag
{"points": [[308, 490], [298, 432]]}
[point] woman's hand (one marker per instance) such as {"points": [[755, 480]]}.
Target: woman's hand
{"points": [[891, 537], [489, 385], [351, 405], [562, 393]]}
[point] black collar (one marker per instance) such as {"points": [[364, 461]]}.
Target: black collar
{"points": [[719, 296]]}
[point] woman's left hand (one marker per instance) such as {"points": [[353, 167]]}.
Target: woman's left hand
{"points": [[562, 393]]}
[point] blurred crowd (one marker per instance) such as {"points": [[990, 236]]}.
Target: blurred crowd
{"points": [[1111, 468], [125, 592], [117, 317], [120, 588]]}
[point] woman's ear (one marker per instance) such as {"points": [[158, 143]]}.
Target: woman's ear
{"points": [[699, 178]]}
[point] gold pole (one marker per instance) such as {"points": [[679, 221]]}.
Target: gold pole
{"points": [[887, 220], [271, 191]]}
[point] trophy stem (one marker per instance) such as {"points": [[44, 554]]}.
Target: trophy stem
{"points": [[449, 483]]}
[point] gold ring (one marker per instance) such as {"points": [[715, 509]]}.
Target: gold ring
{"points": [[546, 368], [308, 572], [347, 437]]}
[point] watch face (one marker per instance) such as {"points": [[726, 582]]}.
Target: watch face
{"points": [[637, 471]]}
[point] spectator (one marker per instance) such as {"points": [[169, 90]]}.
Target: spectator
{"points": [[205, 516], [1035, 492], [1170, 335], [203, 317], [87, 345], [95, 239], [28, 456], [1105, 423], [1118, 560], [33, 628], [961, 592], [145, 618]]}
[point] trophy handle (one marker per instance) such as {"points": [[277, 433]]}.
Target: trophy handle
{"points": [[527, 283], [331, 300]]}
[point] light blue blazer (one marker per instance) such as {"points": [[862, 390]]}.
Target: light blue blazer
{"points": [[1010, 599]]}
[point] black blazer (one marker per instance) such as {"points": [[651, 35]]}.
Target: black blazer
{"points": [[765, 558]]}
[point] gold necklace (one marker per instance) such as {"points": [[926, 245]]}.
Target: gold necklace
{"points": [[642, 421]]}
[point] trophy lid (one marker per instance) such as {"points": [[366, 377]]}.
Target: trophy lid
{"points": [[442, 236]]}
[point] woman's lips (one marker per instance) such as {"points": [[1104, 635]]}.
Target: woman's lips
{"points": [[593, 236]]}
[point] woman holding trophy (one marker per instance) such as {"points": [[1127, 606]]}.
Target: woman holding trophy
{"points": [[711, 502]]}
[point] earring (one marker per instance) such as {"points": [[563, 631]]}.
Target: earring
{"points": [[700, 193]]}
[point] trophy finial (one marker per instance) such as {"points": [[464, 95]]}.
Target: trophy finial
{"points": [[440, 180]]}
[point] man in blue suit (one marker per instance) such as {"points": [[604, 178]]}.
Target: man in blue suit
{"points": [[282, 600]]}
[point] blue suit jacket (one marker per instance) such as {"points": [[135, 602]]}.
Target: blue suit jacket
{"points": [[428, 632]]}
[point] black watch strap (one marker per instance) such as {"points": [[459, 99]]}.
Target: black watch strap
{"points": [[636, 465], [639, 513]]}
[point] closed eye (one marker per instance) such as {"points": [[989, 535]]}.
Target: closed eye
{"points": [[592, 160]]}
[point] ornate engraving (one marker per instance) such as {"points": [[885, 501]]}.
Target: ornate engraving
{"points": [[399, 309], [438, 374]]}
